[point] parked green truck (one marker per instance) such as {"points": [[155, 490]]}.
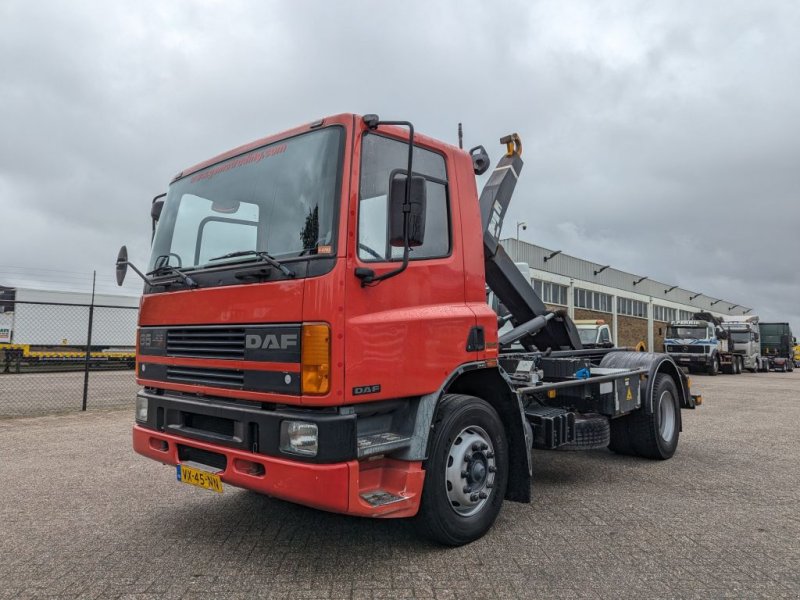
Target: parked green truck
{"points": [[777, 344]]}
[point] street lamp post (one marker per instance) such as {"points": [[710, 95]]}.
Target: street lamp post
{"points": [[522, 224]]}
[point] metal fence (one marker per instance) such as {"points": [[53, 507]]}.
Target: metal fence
{"points": [[59, 357]]}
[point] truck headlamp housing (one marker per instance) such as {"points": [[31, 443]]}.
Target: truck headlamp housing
{"points": [[141, 409], [299, 437]]}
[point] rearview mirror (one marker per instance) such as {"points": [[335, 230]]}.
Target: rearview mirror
{"points": [[122, 265], [416, 210], [157, 207]]}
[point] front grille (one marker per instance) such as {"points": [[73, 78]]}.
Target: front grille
{"points": [[207, 342], [229, 378], [687, 349]]}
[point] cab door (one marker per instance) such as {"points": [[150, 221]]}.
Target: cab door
{"points": [[405, 334]]}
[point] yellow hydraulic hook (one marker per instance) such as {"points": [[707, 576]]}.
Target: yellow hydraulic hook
{"points": [[513, 144]]}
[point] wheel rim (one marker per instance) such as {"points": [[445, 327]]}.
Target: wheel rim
{"points": [[666, 416], [470, 472]]}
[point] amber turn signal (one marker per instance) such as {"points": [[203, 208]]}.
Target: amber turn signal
{"points": [[315, 357]]}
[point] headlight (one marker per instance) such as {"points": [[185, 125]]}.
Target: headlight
{"points": [[299, 437], [141, 409]]}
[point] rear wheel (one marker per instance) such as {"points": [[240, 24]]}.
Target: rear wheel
{"points": [[466, 472], [652, 435], [790, 365]]}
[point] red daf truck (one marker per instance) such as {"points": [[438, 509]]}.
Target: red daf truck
{"points": [[314, 327]]}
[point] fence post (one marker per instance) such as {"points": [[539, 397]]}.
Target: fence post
{"points": [[88, 346]]}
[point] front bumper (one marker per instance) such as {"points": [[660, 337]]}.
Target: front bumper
{"points": [[691, 359], [240, 443]]}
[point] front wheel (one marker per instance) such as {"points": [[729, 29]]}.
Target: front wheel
{"points": [[713, 368], [466, 472]]}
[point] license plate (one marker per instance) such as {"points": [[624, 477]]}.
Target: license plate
{"points": [[198, 478]]}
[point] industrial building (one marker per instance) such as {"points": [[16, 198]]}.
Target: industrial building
{"points": [[637, 308]]}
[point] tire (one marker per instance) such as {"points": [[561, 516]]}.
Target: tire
{"points": [[650, 435], [790, 365], [452, 511], [738, 370], [713, 368], [592, 432]]}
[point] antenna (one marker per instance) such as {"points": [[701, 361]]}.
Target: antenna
{"points": [[460, 137]]}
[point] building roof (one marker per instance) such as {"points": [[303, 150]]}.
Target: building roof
{"points": [[584, 270]]}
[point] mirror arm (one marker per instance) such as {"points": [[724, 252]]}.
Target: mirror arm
{"points": [[147, 280]]}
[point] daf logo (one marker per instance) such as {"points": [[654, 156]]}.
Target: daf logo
{"points": [[271, 341]]}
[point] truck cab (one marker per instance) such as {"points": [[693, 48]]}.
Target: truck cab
{"points": [[745, 342], [777, 345], [595, 333], [694, 344]]}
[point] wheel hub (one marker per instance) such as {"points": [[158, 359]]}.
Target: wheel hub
{"points": [[470, 471]]}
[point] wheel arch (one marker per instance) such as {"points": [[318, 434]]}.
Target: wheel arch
{"points": [[655, 364], [488, 385]]}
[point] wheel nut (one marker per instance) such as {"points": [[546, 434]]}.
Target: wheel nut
{"points": [[483, 495], [492, 469], [467, 489], [489, 486], [464, 474], [484, 446], [490, 455], [474, 497], [476, 446]]}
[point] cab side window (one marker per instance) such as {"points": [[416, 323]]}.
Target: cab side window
{"points": [[604, 336], [381, 157]]}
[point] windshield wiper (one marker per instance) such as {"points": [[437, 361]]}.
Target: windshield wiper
{"points": [[265, 256], [170, 270]]}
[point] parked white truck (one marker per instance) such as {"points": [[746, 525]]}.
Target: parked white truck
{"points": [[702, 344], [595, 333], [744, 338]]}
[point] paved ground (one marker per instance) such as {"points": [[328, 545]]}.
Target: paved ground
{"points": [[82, 516], [33, 394]]}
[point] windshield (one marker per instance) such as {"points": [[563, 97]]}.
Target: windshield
{"points": [[740, 337], [278, 199], [588, 336], [687, 333]]}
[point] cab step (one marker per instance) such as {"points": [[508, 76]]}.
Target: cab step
{"points": [[381, 443]]}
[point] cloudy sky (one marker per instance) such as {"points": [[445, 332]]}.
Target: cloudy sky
{"points": [[661, 138]]}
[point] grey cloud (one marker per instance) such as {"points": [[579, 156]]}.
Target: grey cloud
{"points": [[662, 138]]}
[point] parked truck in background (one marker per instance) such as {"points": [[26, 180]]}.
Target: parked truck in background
{"points": [[743, 337], [314, 327], [777, 345], [702, 344], [594, 333], [797, 356]]}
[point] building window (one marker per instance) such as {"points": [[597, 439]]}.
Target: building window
{"points": [[685, 315], [550, 293], [633, 308], [662, 313], [592, 300]]}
